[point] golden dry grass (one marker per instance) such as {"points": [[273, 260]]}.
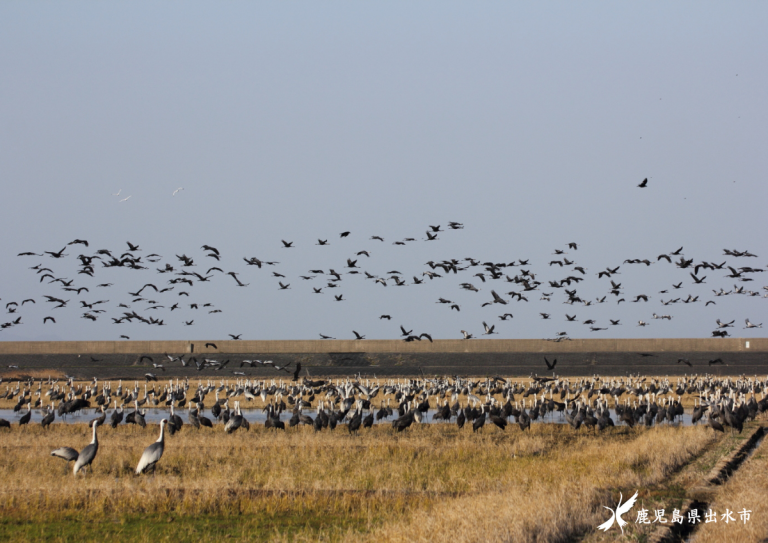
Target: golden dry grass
{"points": [[548, 484], [745, 490], [430, 481], [558, 495]]}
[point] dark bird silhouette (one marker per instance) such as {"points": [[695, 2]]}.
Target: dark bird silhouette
{"points": [[211, 345], [239, 283], [498, 299], [644, 183], [697, 280], [552, 365]]}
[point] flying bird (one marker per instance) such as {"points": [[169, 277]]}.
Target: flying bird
{"points": [[489, 329], [642, 186]]}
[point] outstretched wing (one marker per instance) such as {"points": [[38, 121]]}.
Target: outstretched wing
{"points": [[607, 524], [623, 508]]}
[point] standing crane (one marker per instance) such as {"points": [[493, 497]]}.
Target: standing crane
{"points": [[153, 453]]}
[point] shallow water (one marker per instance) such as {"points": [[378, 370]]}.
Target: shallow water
{"points": [[155, 414]]}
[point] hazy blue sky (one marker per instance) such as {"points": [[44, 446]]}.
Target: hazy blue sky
{"points": [[530, 123]]}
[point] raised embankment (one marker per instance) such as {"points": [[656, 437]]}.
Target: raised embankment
{"points": [[393, 357]]}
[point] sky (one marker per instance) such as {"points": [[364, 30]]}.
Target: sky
{"points": [[530, 123]]}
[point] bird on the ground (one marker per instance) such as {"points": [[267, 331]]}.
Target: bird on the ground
{"points": [[86, 456], [153, 453]]}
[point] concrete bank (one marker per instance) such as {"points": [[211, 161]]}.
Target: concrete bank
{"points": [[392, 357]]}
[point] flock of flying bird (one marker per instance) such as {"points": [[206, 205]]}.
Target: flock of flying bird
{"points": [[142, 303], [586, 402]]}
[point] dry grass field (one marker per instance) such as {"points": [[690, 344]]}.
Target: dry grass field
{"points": [[430, 482], [433, 480]]}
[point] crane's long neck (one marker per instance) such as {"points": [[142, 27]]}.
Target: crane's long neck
{"points": [[95, 439], [162, 433]]}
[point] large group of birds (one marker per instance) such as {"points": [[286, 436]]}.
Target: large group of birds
{"points": [[492, 284], [587, 402]]}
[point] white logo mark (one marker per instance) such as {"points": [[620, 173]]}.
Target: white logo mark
{"points": [[616, 515]]}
